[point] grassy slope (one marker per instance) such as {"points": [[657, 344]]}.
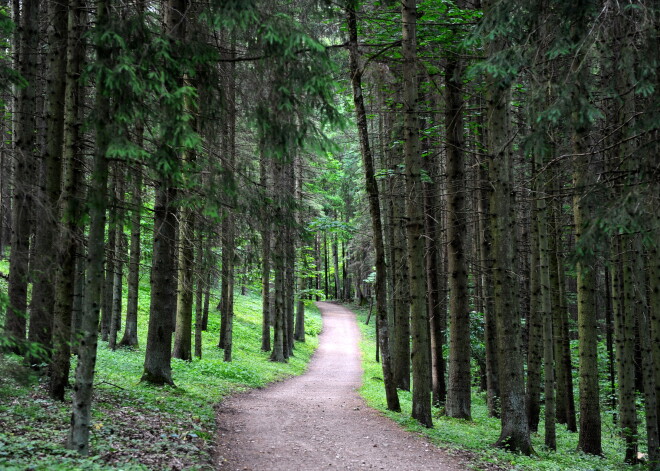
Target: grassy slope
{"points": [[137, 426], [478, 435]]}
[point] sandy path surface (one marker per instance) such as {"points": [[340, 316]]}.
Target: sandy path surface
{"points": [[318, 421]]}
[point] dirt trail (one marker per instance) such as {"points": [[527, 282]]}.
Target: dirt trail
{"points": [[318, 421]]}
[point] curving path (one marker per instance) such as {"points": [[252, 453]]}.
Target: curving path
{"points": [[317, 420]]}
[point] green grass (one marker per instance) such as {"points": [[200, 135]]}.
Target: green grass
{"points": [[135, 425], [477, 436]]}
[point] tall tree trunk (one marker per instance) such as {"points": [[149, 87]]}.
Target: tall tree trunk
{"points": [[119, 253], [401, 287], [183, 332], [421, 345], [70, 231], [515, 428], [545, 309], [229, 232], [265, 255], [45, 264], [111, 257], [458, 388], [535, 325], [82, 402], [490, 329], [392, 397], [25, 170], [432, 234], [589, 440], [157, 362], [200, 275], [130, 338]]}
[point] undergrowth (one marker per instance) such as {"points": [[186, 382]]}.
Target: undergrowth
{"points": [[478, 435], [135, 425]]}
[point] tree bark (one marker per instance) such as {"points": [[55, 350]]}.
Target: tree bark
{"points": [[45, 263], [130, 338], [157, 362], [421, 345], [25, 169], [458, 387], [515, 428], [82, 402], [70, 231], [392, 397]]}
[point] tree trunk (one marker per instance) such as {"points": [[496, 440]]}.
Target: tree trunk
{"points": [[157, 362], [82, 402], [374, 210], [183, 332], [70, 230], [515, 428], [25, 170], [490, 329], [200, 275], [535, 345], [265, 255], [458, 387], [421, 345], [45, 264], [130, 338], [119, 253]]}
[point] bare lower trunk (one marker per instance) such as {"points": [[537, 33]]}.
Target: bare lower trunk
{"points": [[82, 402], [374, 210], [70, 232], [45, 264], [130, 338]]}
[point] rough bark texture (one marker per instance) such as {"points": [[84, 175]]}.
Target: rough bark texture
{"points": [[490, 329], [374, 210], [421, 345], [45, 263], [130, 338], [265, 256], [157, 362], [458, 403], [545, 310], [82, 401], [119, 254], [624, 338], [515, 428], [535, 330], [183, 333], [70, 230], [25, 169]]}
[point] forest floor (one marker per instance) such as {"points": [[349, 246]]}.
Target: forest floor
{"points": [[318, 420]]}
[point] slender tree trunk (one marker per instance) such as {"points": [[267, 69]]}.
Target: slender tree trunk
{"points": [[544, 306], [374, 210], [265, 255], [183, 333], [45, 264], [458, 388], [111, 257], [199, 295], [421, 345], [229, 230], [535, 343], [82, 402], [157, 362], [490, 329], [25, 170], [130, 338], [515, 428], [70, 230], [119, 253]]}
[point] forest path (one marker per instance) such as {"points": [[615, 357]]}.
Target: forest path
{"points": [[317, 420]]}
